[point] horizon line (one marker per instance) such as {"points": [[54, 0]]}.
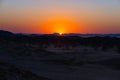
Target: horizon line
{"points": [[56, 33]]}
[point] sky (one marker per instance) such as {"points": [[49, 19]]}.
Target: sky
{"points": [[62, 16]]}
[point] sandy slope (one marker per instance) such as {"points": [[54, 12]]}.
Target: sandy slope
{"points": [[57, 71]]}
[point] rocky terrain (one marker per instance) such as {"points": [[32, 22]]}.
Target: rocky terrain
{"points": [[59, 58], [10, 72]]}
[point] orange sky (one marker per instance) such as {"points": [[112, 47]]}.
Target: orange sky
{"points": [[62, 16]]}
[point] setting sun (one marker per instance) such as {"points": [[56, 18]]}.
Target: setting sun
{"points": [[60, 33], [60, 26]]}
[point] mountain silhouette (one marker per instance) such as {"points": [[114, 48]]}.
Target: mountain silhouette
{"points": [[5, 33]]}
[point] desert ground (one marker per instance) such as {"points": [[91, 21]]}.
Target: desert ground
{"points": [[26, 59]]}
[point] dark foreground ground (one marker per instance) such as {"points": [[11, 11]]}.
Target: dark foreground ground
{"points": [[59, 58]]}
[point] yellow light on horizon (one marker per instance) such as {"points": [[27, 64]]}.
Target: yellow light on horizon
{"points": [[60, 33], [60, 25]]}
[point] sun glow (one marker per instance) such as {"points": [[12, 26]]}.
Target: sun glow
{"points": [[60, 26], [60, 33]]}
